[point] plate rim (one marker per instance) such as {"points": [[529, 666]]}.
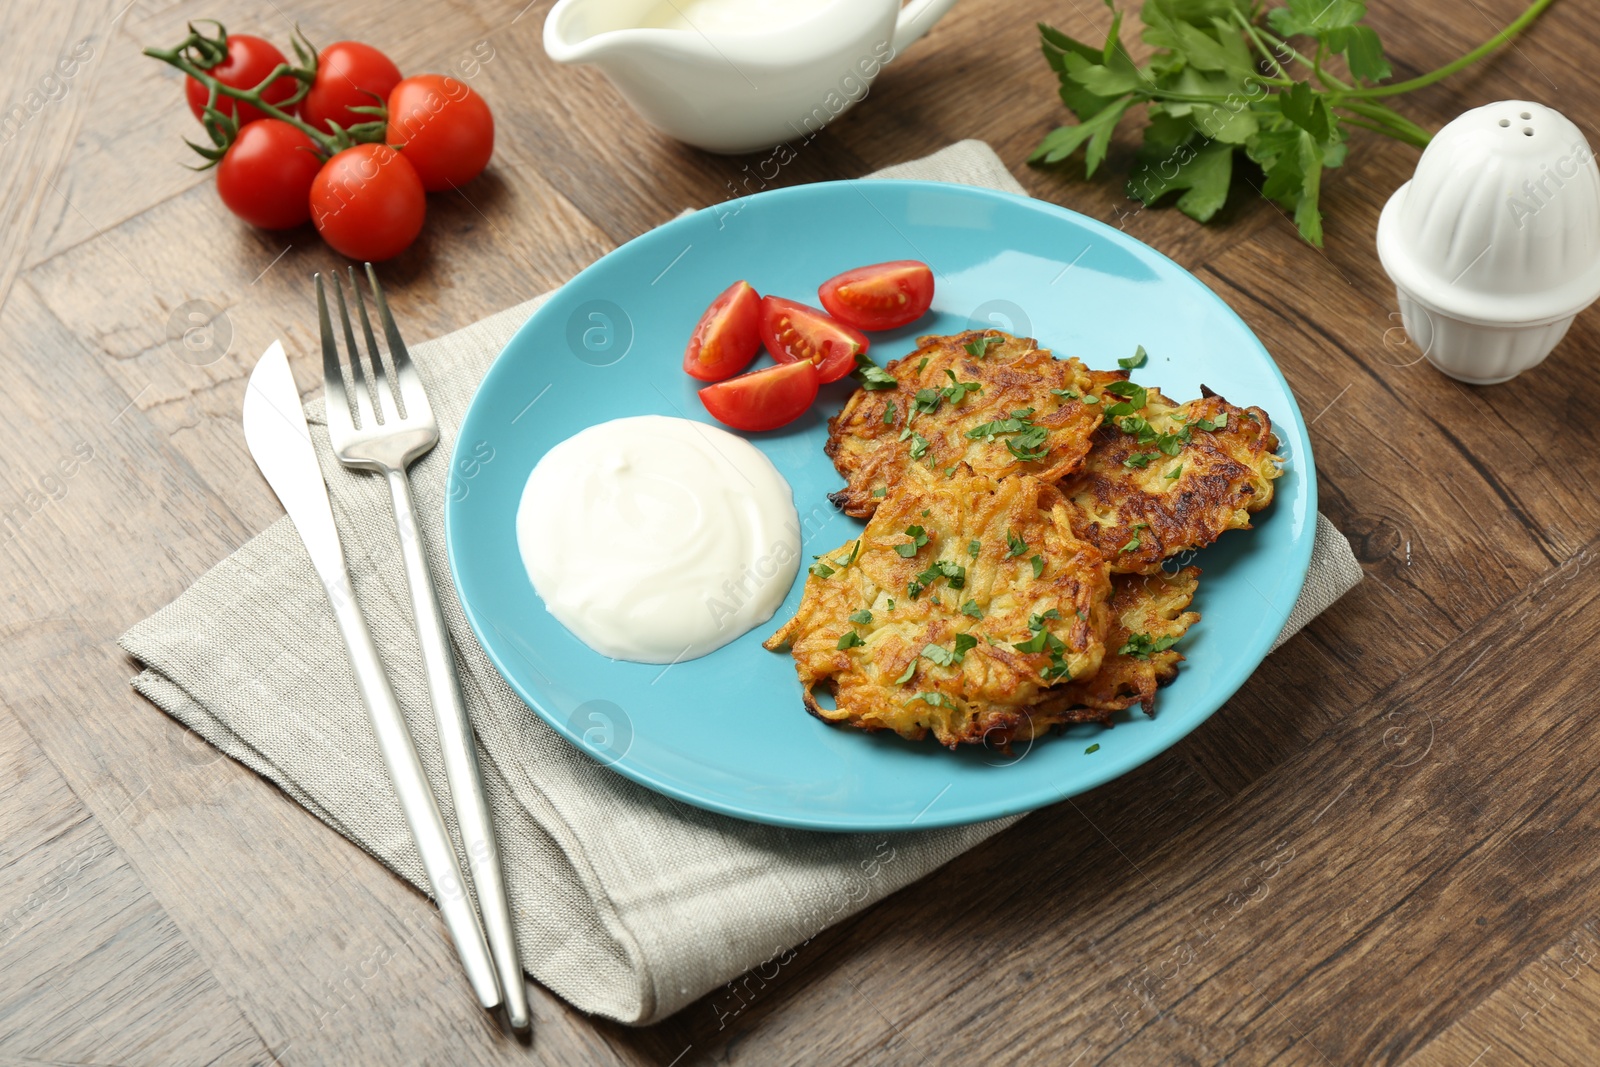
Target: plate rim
{"points": [[1021, 803]]}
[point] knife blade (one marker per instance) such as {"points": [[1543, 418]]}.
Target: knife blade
{"points": [[280, 442]]}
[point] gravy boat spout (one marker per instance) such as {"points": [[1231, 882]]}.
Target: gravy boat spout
{"points": [[737, 76]]}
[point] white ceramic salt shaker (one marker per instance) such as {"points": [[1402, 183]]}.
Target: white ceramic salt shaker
{"points": [[1494, 244]]}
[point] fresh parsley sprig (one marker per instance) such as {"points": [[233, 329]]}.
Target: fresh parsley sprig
{"points": [[1225, 79]]}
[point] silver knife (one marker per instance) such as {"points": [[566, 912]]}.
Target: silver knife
{"points": [[275, 430]]}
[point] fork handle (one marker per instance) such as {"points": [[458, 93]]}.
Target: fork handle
{"points": [[460, 753], [417, 801]]}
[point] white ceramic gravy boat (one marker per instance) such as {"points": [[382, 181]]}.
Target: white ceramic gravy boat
{"points": [[738, 75]]}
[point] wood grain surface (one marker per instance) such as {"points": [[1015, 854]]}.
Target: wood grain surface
{"points": [[1383, 849]]}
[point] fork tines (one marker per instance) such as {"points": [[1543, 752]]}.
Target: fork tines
{"points": [[384, 393]]}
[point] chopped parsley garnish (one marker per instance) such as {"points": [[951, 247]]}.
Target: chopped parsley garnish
{"points": [[973, 548], [1133, 542], [821, 569], [911, 668], [1038, 565], [1137, 395], [1029, 445], [1219, 423], [1172, 475], [945, 657], [1142, 646], [1139, 460], [1033, 644], [1019, 422], [862, 617], [953, 573], [872, 376], [880, 492], [971, 608], [1016, 545], [1036, 622], [980, 348], [1065, 394], [919, 537], [888, 413], [1134, 425], [1136, 360], [1170, 443], [849, 639], [921, 364], [1092, 749], [919, 446], [957, 391], [964, 643], [926, 402], [937, 700], [1090, 398]]}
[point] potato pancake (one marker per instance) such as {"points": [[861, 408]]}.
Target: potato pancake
{"points": [[1000, 404], [965, 600], [1164, 478], [1148, 617]]}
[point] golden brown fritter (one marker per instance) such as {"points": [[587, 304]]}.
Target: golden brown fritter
{"points": [[1148, 617], [1023, 417], [964, 601], [1164, 478]]}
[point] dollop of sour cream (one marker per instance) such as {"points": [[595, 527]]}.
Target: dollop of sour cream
{"points": [[657, 539]]}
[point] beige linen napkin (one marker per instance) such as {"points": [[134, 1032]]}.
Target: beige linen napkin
{"points": [[627, 903]]}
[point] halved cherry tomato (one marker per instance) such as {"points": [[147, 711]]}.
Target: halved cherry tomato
{"points": [[793, 331], [763, 399], [727, 336], [883, 296], [249, 61]]}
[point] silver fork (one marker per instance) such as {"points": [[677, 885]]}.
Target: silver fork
{"points": [[383, 438]]}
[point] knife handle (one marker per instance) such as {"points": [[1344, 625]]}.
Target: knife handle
{"points": [[460, 753], [416, 797]]}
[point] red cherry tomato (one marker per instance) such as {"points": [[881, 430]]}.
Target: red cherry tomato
{"points": [[368, 202], [266, 176], [884, 296], [793, 331], [249, 61], [727, 336], [763, 399], [443, 127], [349, 74]]}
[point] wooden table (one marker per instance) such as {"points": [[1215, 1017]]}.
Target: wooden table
{"points": [[1383, 849]]}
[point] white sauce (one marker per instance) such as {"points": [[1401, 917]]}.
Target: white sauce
{"points": [[728, 16], [657, 539]]}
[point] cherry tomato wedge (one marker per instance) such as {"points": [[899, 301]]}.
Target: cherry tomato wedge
{"points": [[763, 399], [796, 332], [727, 336], [883, 296]]}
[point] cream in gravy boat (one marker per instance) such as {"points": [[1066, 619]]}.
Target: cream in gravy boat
{"points": [[738, 75]]}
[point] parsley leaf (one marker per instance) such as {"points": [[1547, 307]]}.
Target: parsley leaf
{"points": [[1136, 360], [919, 446], [957, 391], [1219, 423], [973, 548], [1133, 542], [1015, 544], [911, 668], [919, 537], [1066, 394], [850, 639], [1137, 395], [1140, 460], [1143, 646], [871, 376], [979, 348], [879, 493], [971, 608], [888, 413], [1038, 565], [862, 617], [1172, 475], [1092, 749], [937, 700]]}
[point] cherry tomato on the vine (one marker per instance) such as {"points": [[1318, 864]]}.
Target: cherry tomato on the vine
{"points": [[349, 74], [250, 60], [368, 202], [443, 127], [266, 176]]}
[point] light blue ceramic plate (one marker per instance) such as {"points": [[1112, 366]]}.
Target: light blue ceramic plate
{"points": [[728, 731]]}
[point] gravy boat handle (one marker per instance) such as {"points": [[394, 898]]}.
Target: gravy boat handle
{"points": [[916, 19]]}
